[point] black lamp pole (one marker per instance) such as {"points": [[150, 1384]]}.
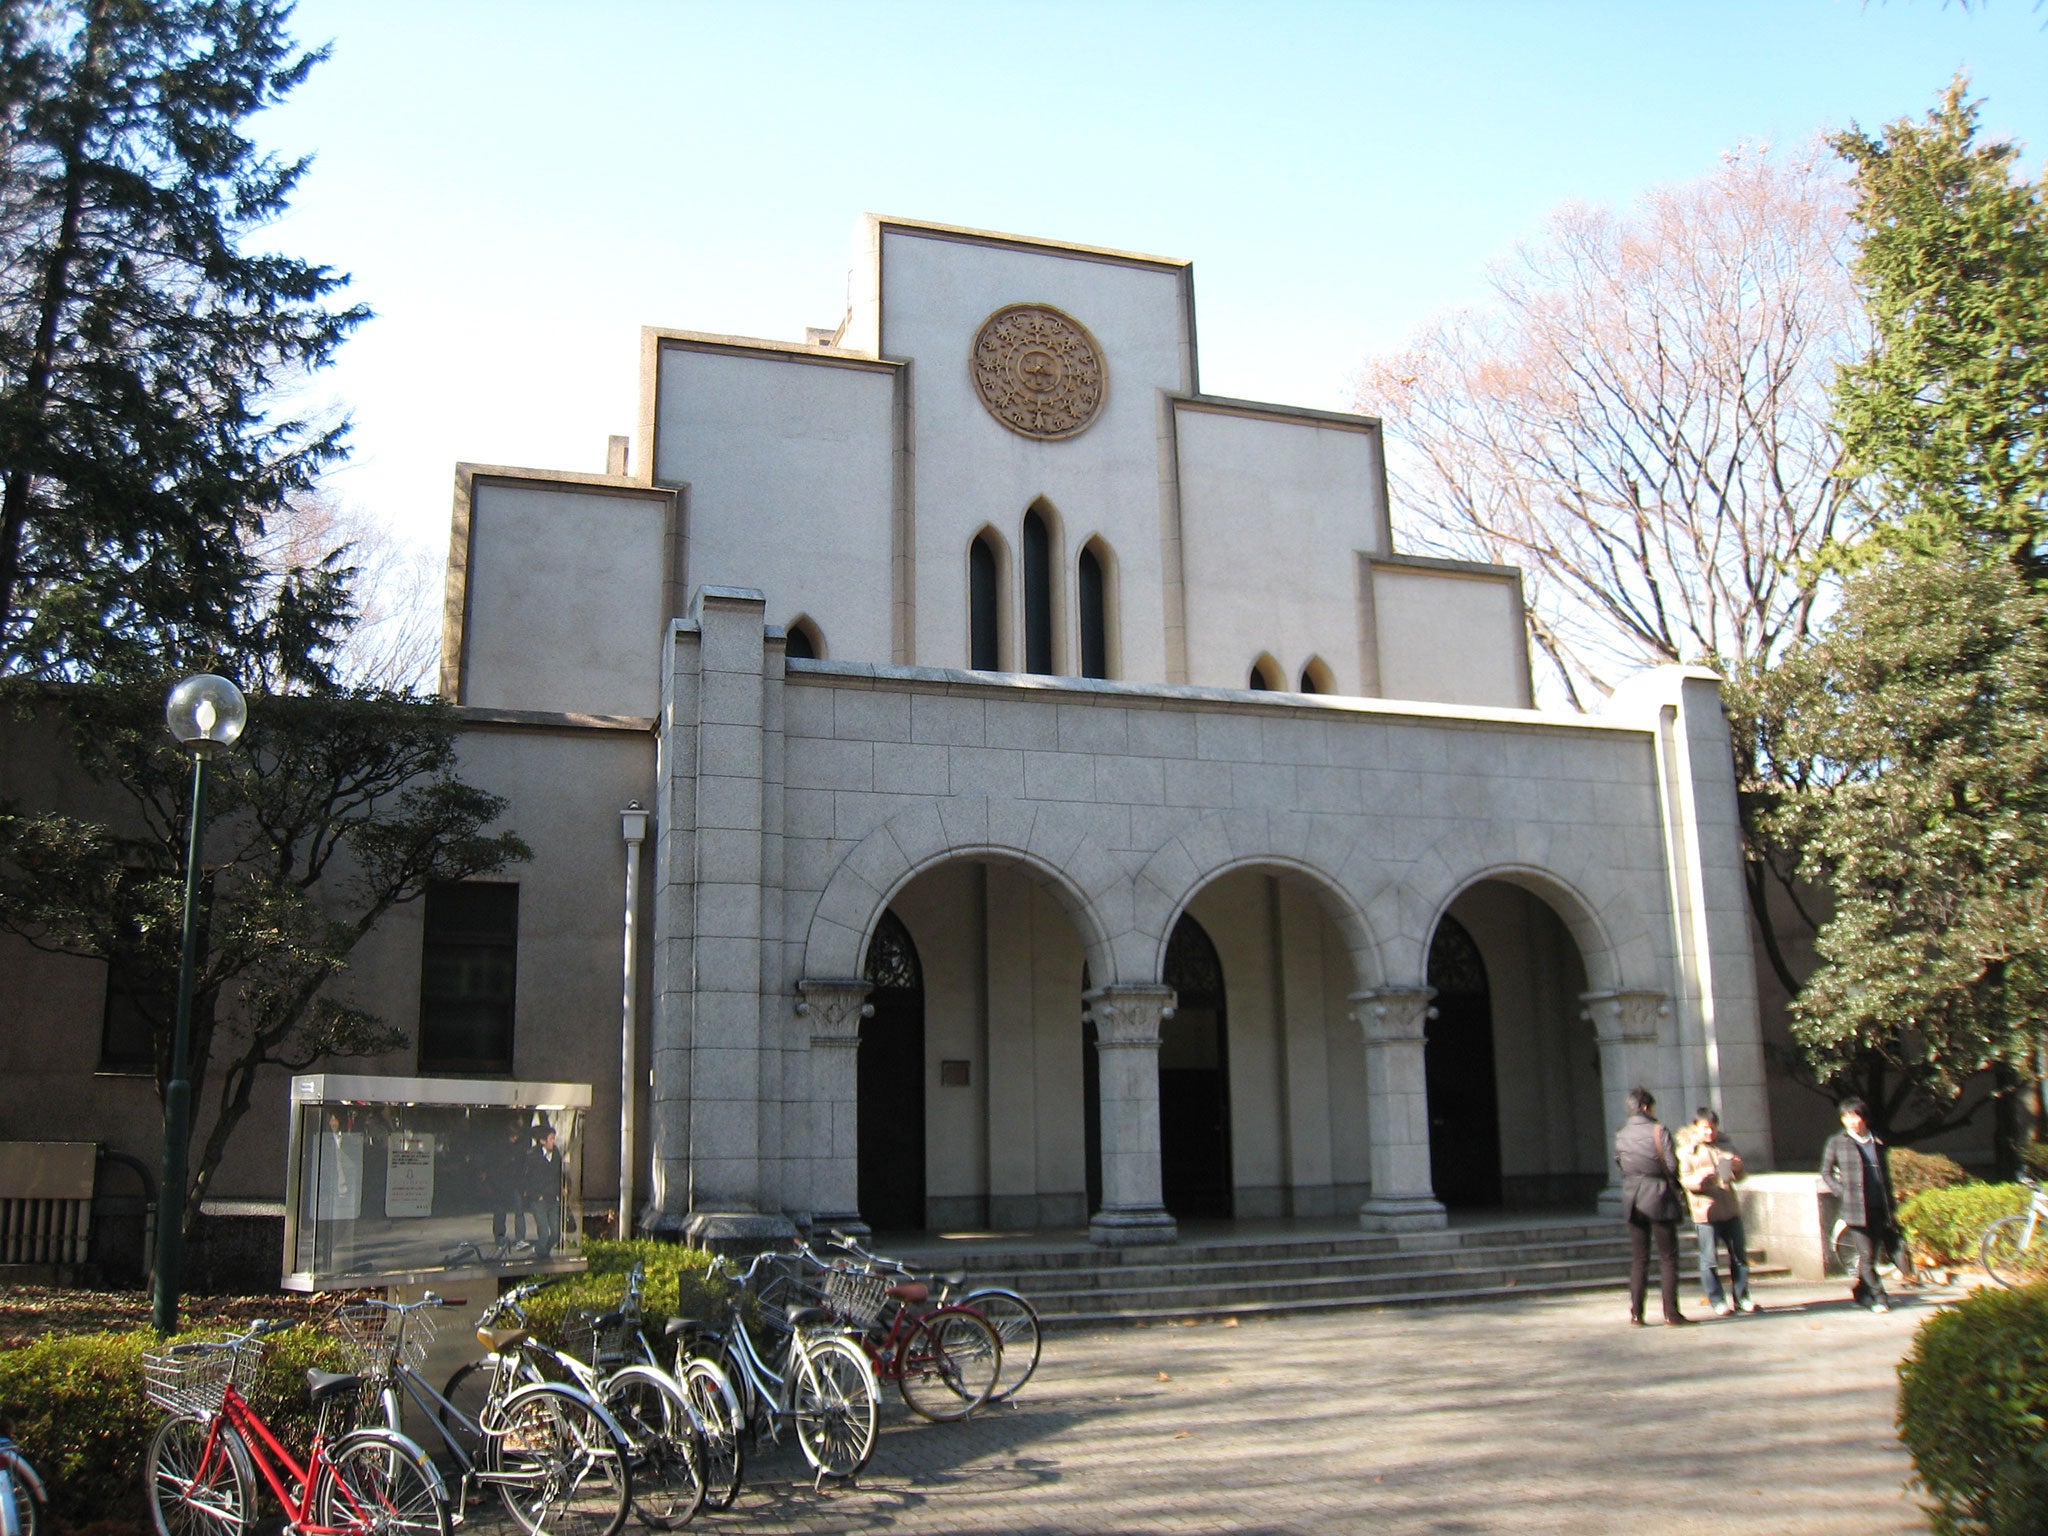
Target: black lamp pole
{"points": [[205, 713]]}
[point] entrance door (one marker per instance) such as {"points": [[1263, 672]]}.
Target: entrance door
{"points": [[1457, 1059], [1194, 1081], [891, 1084]]}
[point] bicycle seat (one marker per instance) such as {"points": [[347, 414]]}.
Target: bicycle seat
{"points": [[910, 1290], [322, 1385], [677, 1325], [809, 1317], [498, 1340]]}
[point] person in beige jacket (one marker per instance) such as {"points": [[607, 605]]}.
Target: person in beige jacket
{"points": [[1707, 1170]]}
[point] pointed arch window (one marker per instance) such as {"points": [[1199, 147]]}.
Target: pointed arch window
{"points": [[1316, 678], [1092, 583], [983, 592], [1037, 593], [801, 642], [1265, 676]]}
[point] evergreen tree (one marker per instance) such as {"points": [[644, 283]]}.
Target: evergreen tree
{"points": [[1918, 726], [1946, 419], [140, 337]]}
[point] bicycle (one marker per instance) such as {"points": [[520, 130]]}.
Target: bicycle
{"points": [[2015, 1248], [24, 1502], [202, 1461], [558, 1461], [664, 1435], [825, 1388], [1014, 1319], [945, 1361]]}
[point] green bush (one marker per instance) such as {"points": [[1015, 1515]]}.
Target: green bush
{"points": [[1915, 1173], [679, 1283], [1944, 1224], [1973, 1411], [2034, 1158], [75, 1404]]}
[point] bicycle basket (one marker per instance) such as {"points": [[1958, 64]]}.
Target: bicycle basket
{"points": [[193, 1378], [375, 1336], [857, 1297], [604, 1337]]}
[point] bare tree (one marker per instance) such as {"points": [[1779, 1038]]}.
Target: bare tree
{"points": [[394, 643], [1640, 420]]}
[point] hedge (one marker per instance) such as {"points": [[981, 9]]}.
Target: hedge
{"points": [[1973, 1412], [1915, 1172], [678, 1283], [76, 1406], [1945, 1224]]}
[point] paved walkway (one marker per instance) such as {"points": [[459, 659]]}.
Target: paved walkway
{"points": [[1544, 1415]]}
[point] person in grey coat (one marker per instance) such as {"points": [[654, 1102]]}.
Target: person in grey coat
{"points": [[1648, 1160], [1856, 1166]]}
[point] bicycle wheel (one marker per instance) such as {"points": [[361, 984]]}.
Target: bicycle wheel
{"points": [[380, 1484], [833, 1400], [2009, 1256], [668, 1451], [200, 1484], [1015, 1321], [947, 1364], [557, 1464], [1845, 1251], [719, 1417], [24, 1513]]}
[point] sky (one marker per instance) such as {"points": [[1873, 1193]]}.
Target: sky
{"points": [[516, 187]]}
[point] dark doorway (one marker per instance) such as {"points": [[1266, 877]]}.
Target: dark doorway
{"points": [[1457, 1059], [891, 1084], [1194, 1080]]}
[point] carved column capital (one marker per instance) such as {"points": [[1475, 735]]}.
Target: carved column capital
{"points": [[834, 1009], [1628, 1014], [1393, 1015], [1128, 1018]]}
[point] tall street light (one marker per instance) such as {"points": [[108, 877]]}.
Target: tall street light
{"points": [[205, 714]]}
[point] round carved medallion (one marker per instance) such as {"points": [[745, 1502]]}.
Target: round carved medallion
{"points": [[1039, 372]]}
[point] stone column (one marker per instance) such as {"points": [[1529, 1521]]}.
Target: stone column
{"points": [[1127, 1021], [834, 1010], [1625, 1025], [1397, 1106]]}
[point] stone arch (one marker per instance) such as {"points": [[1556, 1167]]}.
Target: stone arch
{"points": [[1049, 842], [1233, 840], [1614, 927]]}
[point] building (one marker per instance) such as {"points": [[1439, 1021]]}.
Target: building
{"points": [[1066, 804]]}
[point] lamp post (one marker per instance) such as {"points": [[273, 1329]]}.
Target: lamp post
{"points": [[205, 714]]}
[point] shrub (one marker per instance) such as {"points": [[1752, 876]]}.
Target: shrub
{"points": [[1944, 1224], [1915, 1173], [2034, 1158], [1973, 1412], [679, 1283], [75, 1404]]}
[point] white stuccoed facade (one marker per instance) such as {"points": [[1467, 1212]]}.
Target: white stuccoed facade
{"points": [[1053, 853]]}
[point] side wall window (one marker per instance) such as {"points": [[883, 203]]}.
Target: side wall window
{"points": [[983, 652], [1093, 586], [1037, 594], [467, 967]]}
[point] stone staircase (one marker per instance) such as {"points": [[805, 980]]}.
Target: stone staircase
{"points": [[1239, 1273]]}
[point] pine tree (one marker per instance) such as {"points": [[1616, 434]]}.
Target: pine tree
{"points": [[1946, 419], [141, 336]]}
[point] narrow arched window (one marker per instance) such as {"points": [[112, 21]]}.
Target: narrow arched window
{"points": [[1315, 677], [1262, 679], [982, 651], [1094, 616], [801, 642], [1037, 594]]}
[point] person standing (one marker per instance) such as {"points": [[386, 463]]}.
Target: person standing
{"points": [[1708, 1168], [1648, 1161], [544, 1188], [1856, 1166]]}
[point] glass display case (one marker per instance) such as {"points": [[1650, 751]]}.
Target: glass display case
{"points": [[412, 1180]]}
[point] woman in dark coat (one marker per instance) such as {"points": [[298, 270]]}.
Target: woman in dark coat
{"points": [[1648, 1160]]}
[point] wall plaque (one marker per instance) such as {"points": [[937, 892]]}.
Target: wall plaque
{"points": [[1038, 371]]}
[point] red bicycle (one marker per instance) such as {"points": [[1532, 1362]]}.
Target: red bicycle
{"points": [[203, 1458], [945, 1361]]}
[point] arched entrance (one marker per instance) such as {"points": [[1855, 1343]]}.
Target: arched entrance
{"points": [[891, 1084], [1194, 1080], [1458, 1067]]}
